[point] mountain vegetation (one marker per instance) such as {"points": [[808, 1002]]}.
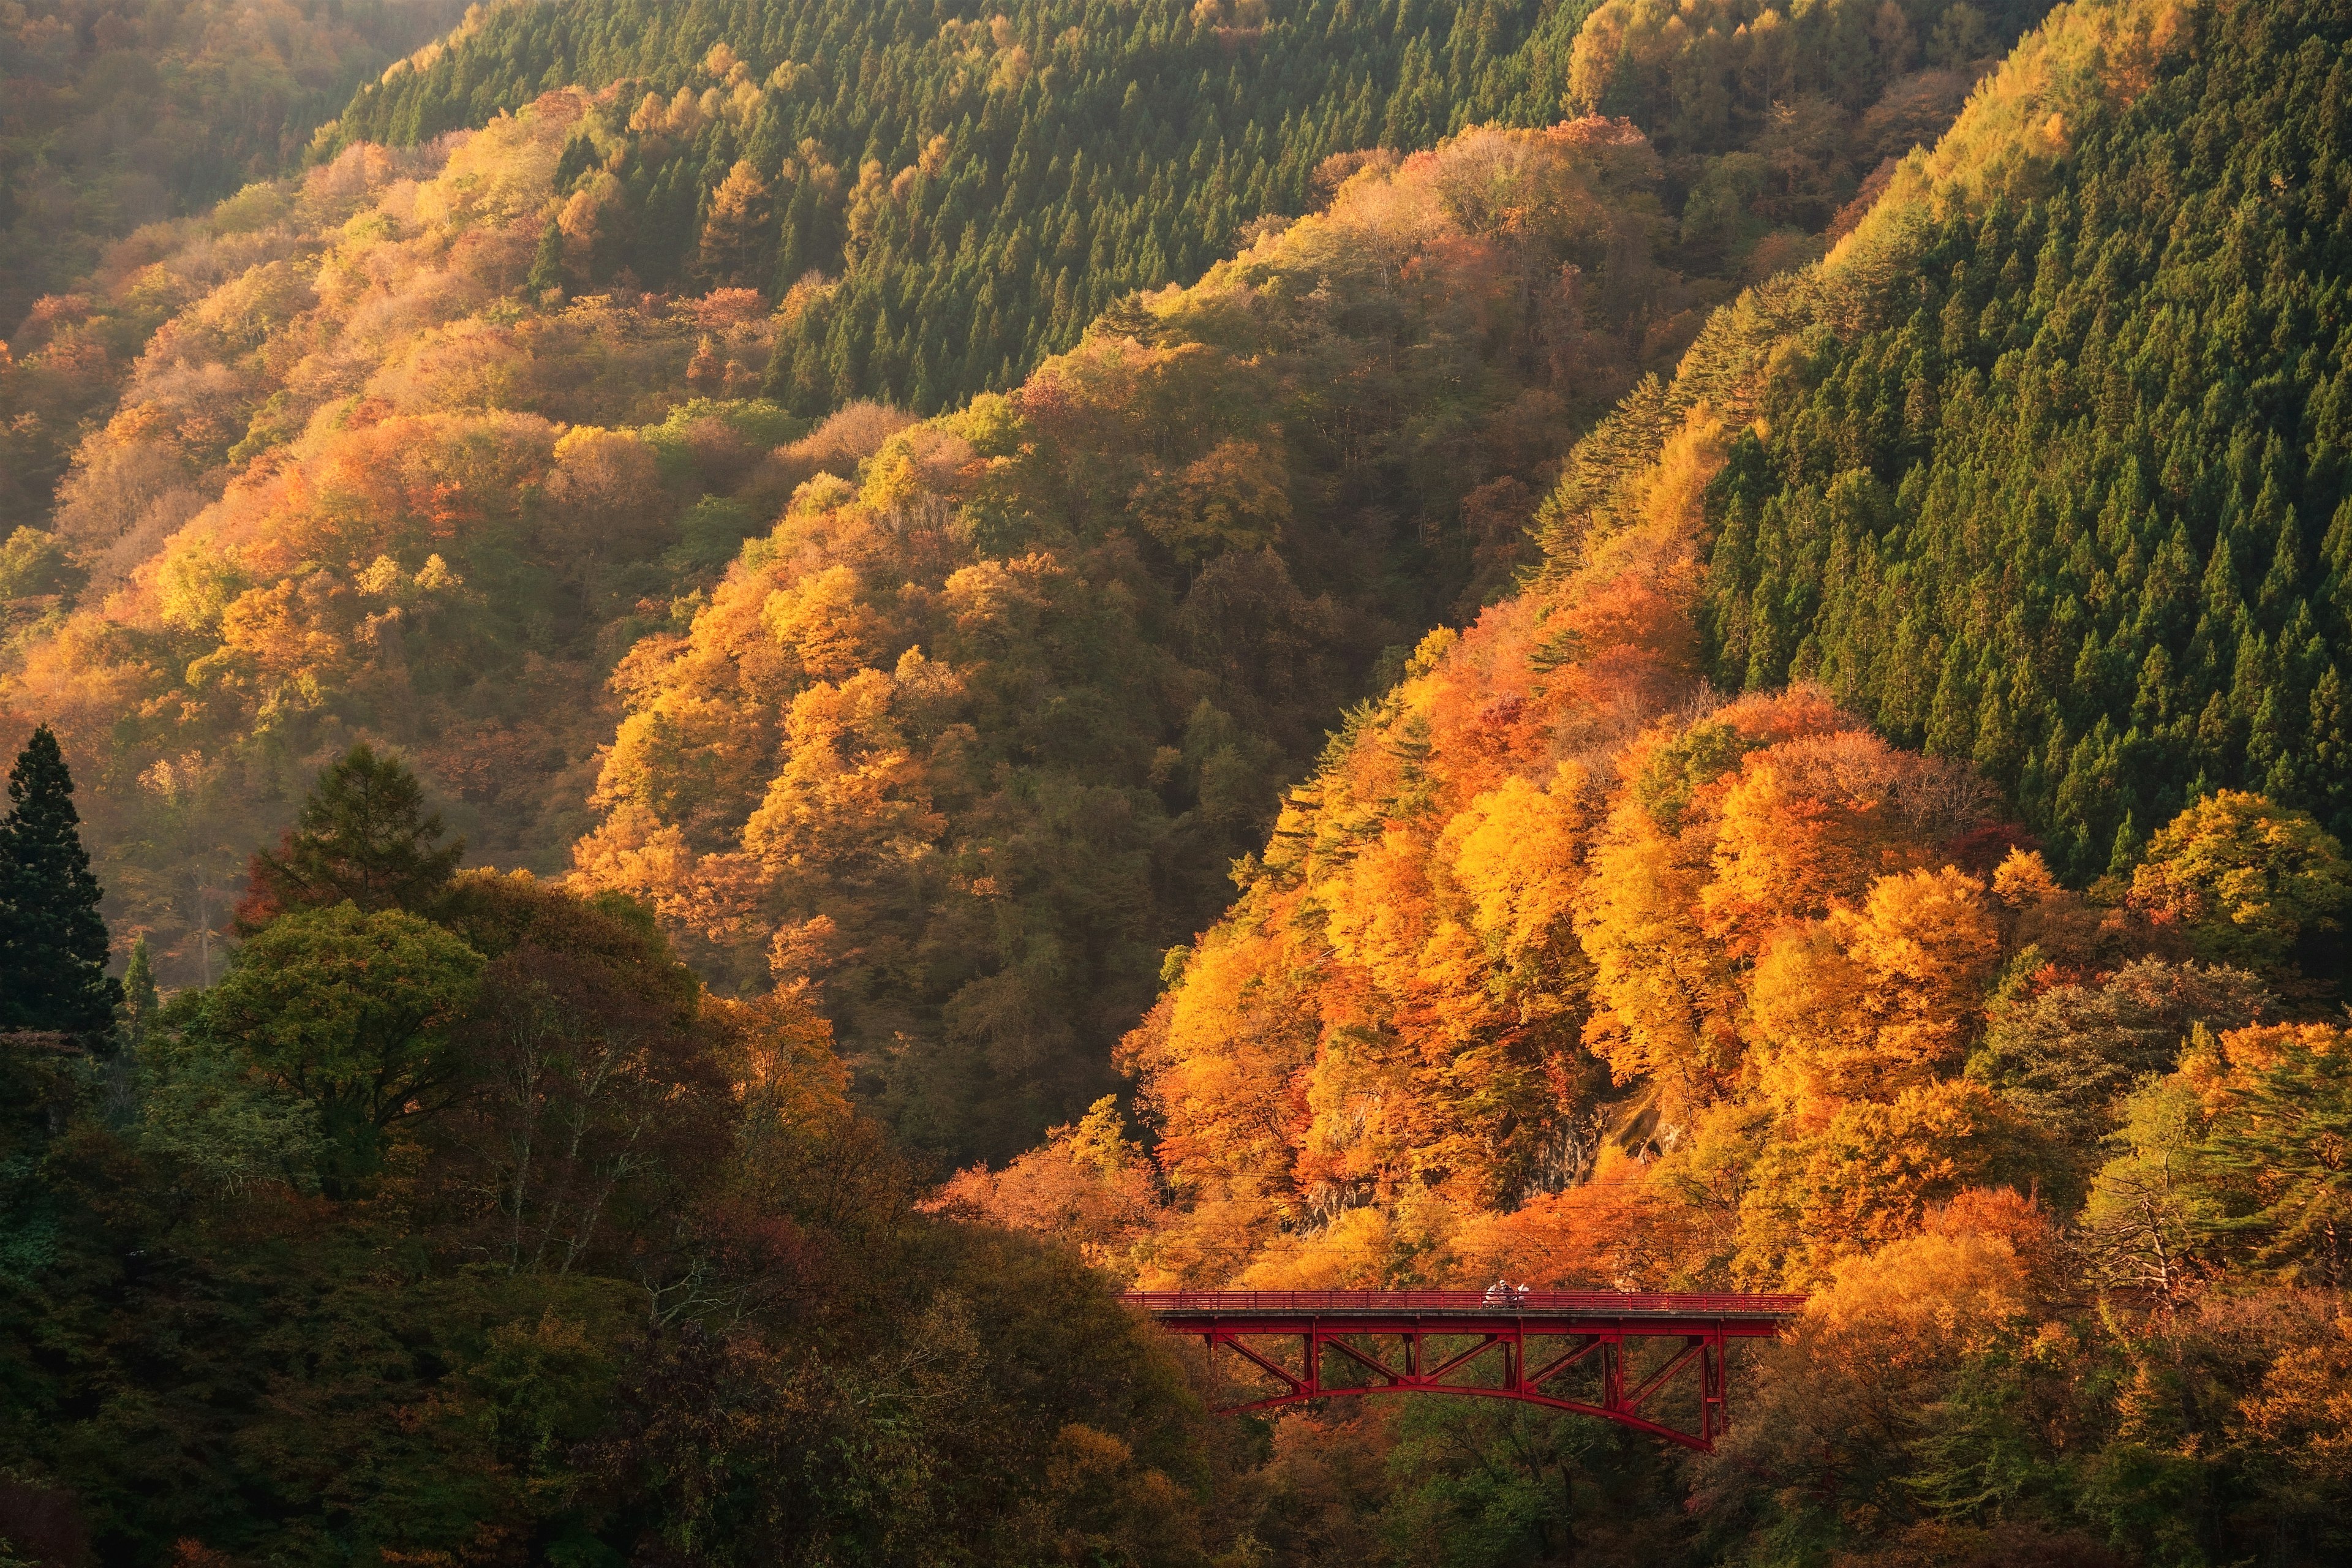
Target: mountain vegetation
{"points": [[469, 1224], [119, 116], [403, 450], [952, 199], [1568, 966], [938, 196], [116, 120], [970, 744], [2075, 511], [345, 428], [374, 484], [1263, 645]]}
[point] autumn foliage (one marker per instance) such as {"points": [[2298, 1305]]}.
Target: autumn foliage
{"points": [[1564, 967], [980, 861]]}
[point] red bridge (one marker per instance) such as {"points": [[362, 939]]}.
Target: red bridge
{"points": [[1615, 1356]]}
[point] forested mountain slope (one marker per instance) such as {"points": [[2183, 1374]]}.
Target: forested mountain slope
{"points": [[973, 742], [347, 425], [1566, 966], [966, 193], [413, 455], [454, 1217], [960, 195], [113, 115], [116, 119], [1550, 865], [2075, 508], [368, 484]]}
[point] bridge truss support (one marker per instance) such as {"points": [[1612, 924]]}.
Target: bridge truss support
{"points": [[1621, 1367]]}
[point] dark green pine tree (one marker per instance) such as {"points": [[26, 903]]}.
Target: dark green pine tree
{"points": [[363, 834], [53, 944]]}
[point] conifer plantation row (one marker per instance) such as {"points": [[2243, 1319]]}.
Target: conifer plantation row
{"points": [[726, 707], [2073, 509], [955, 198]]}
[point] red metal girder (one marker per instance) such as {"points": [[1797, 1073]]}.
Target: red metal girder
{"points": [[1656, 1380], [1297, 1387], [1352, 1353], [1473, 1354], [1561, 1363], [1604, 1320], [1713, 1370]]}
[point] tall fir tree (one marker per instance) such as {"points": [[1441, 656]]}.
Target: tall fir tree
{"points": [[363, 834], [53, 944]]}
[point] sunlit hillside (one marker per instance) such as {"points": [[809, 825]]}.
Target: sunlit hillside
{"points": [[116, 120], [747, 701], [967, 192], [376, 481], [1569, 965]]}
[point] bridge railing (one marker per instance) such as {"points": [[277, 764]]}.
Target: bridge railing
{"points": [[1596, 1303]]}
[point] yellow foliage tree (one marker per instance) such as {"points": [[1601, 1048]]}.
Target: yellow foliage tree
{"points": [[1868, 1003]]}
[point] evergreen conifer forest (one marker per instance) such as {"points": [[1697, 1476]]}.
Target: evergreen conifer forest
{"points": [[720, 710]]}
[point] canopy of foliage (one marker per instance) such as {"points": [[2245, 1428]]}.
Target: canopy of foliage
{"points": [[941, 201], [962, 195], [476, 1230], [455, 1218], [2073, 503], [970, 743], [346, 486], [116, 119], [371, 485], [1567, 968], [383, 464]]}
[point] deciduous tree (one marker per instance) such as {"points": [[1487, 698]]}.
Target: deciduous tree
{"points": [[355, 1011]]}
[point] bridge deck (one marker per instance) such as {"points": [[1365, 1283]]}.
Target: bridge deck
{"points": [[1529, 1345], [1470, 1306]]}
